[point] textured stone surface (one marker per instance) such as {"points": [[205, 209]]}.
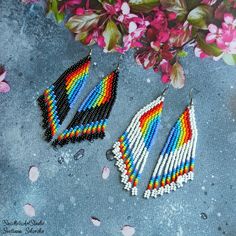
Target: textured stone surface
{"points": [[36, 51]]}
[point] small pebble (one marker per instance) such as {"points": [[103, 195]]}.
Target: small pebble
{"points": [[95, 221], [109, 155], [203, 216], [60, 160], [79, 154]]}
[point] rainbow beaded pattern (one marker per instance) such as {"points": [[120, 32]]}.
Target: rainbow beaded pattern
{"points": [[60, 97], [133, 147], [175, 165], [91, 118]]}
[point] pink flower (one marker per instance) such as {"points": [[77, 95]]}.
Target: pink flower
{"points": [[158, 50], [146, 57], [165, 68], [95, 36], [214, 32], [160, 21], [229, 23], [4, 86], [135, 25], [225, 37], [112, 9]]}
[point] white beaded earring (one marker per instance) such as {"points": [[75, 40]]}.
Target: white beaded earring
{"points": [[175, 164], [133, 147]]}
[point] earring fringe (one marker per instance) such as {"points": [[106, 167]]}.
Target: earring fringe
{"points": [[132, 149], [91, 118], [175, 165], [60, 97]]}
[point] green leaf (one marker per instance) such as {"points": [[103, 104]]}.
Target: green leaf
{"points": [[144, 6], [82, 23], [177, 76], [53, 7], [209, 49], [177, 6], [200, 16], [230, 59], [192, 4], [111, 35], [182, 53]]}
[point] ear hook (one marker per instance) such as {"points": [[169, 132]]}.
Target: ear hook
{"points": [[90, 51], [119, 60], [118, 66], [191, 95], [165, 90]]}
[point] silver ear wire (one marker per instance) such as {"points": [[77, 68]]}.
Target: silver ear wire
{"points": [[165, 90], [191, 95], [90, 51], [119, 60], [118, 66]]}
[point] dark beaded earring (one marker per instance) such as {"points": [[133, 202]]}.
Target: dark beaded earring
{"points": [[90, 121], [61, 96]]}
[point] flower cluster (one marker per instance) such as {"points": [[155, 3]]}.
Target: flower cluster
{"points": [[224, 37], [159, 30]]}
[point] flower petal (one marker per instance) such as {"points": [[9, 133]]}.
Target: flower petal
{"points": [[228, 18], [210, 38], [33, 173], [220, 43], [227, 36], [29, 210], [95, 221], [125, 8], [101, 41], [132, 26], [4, 87], [177, 76], [105, 172], [128, 230], [212, 28]]}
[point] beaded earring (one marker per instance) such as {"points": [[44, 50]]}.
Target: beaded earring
{"points": [[91, 118], [175, 164], [60, 97], [132, 149]]}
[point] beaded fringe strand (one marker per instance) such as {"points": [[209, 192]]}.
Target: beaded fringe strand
{"points": [[175, 165], [91, 119], [132, 149], [60, 97]]}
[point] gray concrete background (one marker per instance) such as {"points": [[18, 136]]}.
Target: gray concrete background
{"points": [[36, 51]]}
